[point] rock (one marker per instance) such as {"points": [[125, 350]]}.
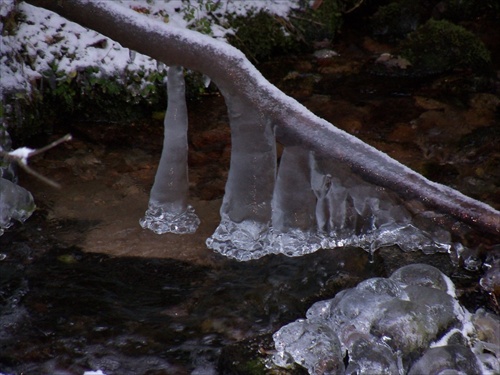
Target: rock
{"points": [[450, 359]]}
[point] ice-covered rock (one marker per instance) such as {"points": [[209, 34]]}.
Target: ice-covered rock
{"points": [[424, 275], [371, 356], [311, 345], [16, 203], [388, 325], [490, 281]]}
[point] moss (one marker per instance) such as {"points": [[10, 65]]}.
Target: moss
{"points": [[261, 35], [460, 10], [321, 23], [440, 46], [83, 94], [397, 19], [89, 94]]}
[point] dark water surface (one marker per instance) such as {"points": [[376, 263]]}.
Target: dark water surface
{"points": [[65, 311]]}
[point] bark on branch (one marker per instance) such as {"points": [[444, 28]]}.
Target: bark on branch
{"points": [[231, 71]]}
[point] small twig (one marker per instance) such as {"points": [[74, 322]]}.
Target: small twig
{"points": [[42, 178], [57, 142], [357, 5], [23, 163]]}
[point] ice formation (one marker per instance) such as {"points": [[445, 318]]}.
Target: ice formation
{"points": [[228, 68], [316, 203], [246, 208], [16, 203], [168, 209], [293, 219], [410, 323], [306, 203]]}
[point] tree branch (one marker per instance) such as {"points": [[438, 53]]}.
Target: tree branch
{"points": [[21, 156], [231, 71]]}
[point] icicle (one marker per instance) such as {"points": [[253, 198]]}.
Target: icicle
{"points": [[246, 207], [168, 208], [353, 212], [294, 223]]}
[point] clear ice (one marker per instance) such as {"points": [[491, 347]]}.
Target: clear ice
{"points": [[244, 230], [410, 321], [293, 217], [301, 204], [168, 209], [310, 203], [16, 203]]}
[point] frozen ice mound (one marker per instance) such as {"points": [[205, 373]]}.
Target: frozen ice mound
{"points": [[16, 203], [312, 345], [161, 220], [410, 321]]}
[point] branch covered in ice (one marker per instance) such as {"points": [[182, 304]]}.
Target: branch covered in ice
{"points": [[232, 72]]}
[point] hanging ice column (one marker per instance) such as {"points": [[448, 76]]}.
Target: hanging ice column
{"points": [[312, 203], [168, 209], [293, 220], [243, 232]]}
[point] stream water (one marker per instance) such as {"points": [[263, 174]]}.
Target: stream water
{"points": [[64, 311], [84, 288]]}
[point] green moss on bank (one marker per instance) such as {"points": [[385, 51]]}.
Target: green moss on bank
{"points": [[440, 46]]}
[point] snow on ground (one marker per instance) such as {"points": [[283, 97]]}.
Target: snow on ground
{"points": [[45, 41]]}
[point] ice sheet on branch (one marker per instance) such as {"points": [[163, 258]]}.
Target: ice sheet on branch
{"points": [[316, 203]]}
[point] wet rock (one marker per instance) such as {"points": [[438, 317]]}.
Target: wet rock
{"points": [[325, 54], [451, 359], [391, 62]]}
